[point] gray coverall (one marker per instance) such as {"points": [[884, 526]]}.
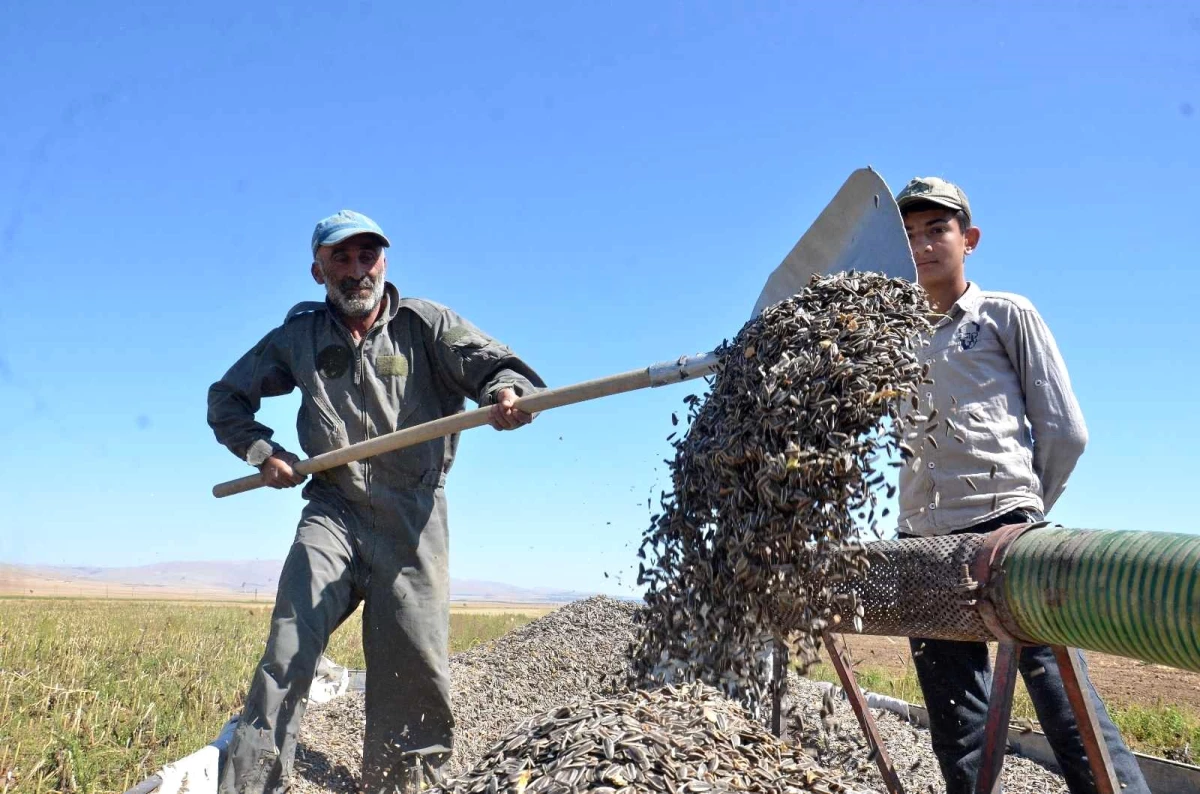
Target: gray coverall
{"points": [[372, 531]]}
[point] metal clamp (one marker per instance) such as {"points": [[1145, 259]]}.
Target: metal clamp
{"points": [[683, 368], [987, 573]]}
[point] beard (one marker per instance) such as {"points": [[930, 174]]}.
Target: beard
{"points": [[342, 295]]}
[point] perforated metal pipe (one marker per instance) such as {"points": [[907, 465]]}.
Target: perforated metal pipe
{"points": [[1128, 593], [912, 589]]}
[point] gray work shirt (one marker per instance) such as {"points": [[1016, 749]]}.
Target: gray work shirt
{"points": [[1001, 385], [416, 364]]}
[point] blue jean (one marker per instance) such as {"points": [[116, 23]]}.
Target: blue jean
{"points": [[956, 680]]}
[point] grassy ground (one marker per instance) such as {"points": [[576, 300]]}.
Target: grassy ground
{"points": [[97, 695], [1163, 730]]}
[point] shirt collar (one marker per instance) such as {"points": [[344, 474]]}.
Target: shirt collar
{"points": [[966, 302], [391, 306]]}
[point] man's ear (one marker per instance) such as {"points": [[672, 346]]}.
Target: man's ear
{"points": [[317, 275], [973, 234]]}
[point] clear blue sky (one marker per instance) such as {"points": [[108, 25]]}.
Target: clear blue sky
{"points": [[602, 186]]}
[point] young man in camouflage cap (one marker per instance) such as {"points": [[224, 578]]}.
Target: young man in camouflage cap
{"points": [[367, 362], [999, 377]]}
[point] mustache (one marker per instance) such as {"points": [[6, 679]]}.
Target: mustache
{"points": [[348, 284]]}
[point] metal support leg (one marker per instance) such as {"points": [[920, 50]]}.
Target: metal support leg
{"points": [[1085, 715], [778, 685], [995, 742], [859, 703]]}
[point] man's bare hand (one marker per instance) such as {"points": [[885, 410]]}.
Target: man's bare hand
{"points": [[277, 471], [504, 415]]}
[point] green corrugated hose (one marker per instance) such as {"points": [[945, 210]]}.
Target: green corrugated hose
{"points": [[1129, 593]]}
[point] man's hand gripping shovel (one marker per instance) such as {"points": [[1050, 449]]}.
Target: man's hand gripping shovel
{"points": [[860, 229]]}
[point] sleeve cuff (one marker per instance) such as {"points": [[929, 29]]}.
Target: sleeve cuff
{"points": [[260, 450], [520, 385]]}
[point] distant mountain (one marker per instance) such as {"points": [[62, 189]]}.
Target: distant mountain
{"points": [[246, 576]]}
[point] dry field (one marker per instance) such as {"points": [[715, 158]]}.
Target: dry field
{"points": [[95, 694], [13, 583]]}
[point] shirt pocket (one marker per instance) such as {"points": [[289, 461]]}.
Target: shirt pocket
{"points": [[392, 380], [317, 429]]}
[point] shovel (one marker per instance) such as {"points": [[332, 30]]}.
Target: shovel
{"points": [[860, 229]]}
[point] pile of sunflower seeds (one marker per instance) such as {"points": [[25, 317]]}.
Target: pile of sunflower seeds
{"points": [[686, 740], [833, 738], [775, 481], [576, 650]]}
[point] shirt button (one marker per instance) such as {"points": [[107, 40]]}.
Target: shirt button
{"points": [[931, 465], [1038, 382], [929, 361], [928, 395], [932, 506]]}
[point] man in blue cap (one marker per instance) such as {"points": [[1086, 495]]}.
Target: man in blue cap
{"points": [[367, 362]]}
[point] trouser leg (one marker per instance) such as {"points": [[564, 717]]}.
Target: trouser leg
{"points": [[956, 679], [315, 595], [1044, 682], [406, 642]]}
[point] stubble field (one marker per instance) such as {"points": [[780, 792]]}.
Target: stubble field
{"points": [[96, 695]]}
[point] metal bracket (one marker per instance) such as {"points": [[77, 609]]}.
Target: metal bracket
{"points": [[967, 587], [861, 710], [995, 742], [778, 685]]}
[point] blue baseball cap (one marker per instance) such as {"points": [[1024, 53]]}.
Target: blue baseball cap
{"points": [[344, 224]]}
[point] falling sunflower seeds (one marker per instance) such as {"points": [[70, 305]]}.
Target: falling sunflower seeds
{"points": [[779, 457]]}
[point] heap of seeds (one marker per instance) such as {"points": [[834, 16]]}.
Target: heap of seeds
{"points": [[775, 480], [577, 650], [497, 690], [685, 740]]}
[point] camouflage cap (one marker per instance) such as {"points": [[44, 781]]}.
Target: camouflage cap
{"points": [[936, 190]]}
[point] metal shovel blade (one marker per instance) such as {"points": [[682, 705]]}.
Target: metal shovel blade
{"points": [[861, 229]]}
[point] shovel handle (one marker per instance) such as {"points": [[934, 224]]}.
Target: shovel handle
{"points": [[683, 369]]}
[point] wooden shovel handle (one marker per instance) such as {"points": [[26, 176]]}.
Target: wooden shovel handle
{"points": [[410, 436]]}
